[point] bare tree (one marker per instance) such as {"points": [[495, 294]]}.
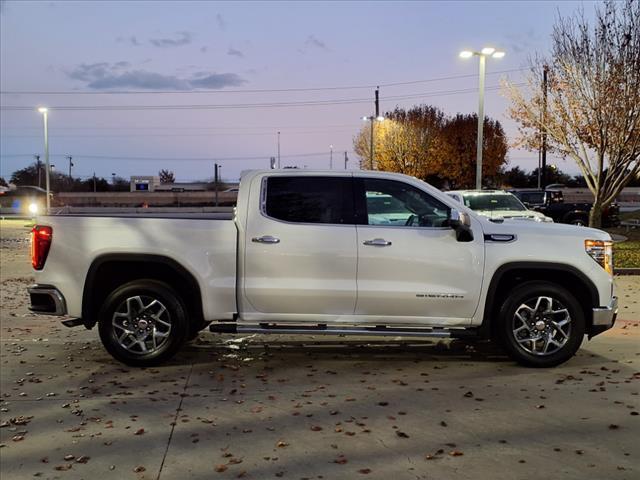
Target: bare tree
{"points": [[592, 109], [166, 176]]}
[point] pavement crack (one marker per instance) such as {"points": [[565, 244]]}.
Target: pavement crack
{"points": [[175, 421]]}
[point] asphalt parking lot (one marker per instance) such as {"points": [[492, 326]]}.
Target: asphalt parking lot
{"points": [[308, 407]]}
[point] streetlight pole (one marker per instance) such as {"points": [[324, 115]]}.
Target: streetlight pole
{"points": [[482, 55], [44, 111], [372, 119], [480, 138], [330, 157], [278, 150]]}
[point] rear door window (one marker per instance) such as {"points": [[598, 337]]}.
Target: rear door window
{"points": [[310, 199]]}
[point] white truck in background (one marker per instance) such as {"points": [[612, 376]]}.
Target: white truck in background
{"points": [[326, 252]]}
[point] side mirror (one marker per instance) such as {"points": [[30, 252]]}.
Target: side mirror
{"points": [[461, 223]]}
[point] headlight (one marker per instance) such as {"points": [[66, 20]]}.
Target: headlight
{"points": [[33, 208], [602, 252]]}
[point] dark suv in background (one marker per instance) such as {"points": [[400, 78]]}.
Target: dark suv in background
{"points": [[552, 204]]}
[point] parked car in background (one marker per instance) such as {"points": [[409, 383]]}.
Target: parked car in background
{"points": [[551, 203], [496, 204], [24, 200]]}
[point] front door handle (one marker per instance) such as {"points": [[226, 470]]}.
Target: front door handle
{"points": [[377, 242], [265, 239]]}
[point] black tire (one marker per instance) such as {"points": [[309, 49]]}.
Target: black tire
{"points": [[120, 305], [579, 221], [525, 349]]}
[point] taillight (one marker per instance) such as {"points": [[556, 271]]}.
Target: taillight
{"points": [[40, 244]]}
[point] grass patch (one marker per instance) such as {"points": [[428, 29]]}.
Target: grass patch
{"points": [[627, 254]]}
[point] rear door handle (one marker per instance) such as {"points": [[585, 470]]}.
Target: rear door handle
{"points": [[265, 239], [377, 242]]}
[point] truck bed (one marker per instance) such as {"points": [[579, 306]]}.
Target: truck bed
{"points": [[205, 245]]}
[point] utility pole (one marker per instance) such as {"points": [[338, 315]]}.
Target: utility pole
{"points": [[278, 149], [545, 71], [215, 179], [330, 157], [70, 158], [377, 102], [94, 182], [346, 159], [38, 168]]}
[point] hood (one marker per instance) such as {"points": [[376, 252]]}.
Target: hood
{"points": [[522, 214], [522, 228]]}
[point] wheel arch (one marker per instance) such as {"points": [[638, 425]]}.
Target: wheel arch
{"points": [[109, 271], [509, 275]]}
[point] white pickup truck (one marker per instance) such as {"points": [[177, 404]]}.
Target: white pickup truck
{"points": [[326, 252]]}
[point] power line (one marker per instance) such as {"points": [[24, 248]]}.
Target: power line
{"points": [[184, 159], [263, 90], [307, 103], [272, 128], [218, 134]]}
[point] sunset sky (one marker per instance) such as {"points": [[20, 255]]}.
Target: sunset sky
{"points": [[221, 62]]}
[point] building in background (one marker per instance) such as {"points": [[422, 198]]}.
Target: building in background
{"points": [[142, 183]]}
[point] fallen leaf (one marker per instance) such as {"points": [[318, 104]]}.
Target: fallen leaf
{"points": [[456, 453], [401, 434]]}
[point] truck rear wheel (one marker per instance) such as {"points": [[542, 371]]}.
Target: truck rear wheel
{"points": [[143, 323], [541, 324]]}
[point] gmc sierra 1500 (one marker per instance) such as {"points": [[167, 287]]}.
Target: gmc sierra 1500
{"points": [[326, 252]]}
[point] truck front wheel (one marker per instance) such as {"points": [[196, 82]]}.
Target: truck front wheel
{"points": [[541, 324], [143, 323]]}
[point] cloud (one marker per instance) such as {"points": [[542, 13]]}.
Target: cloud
{"points": [[222, 24], [522, 42], [204, 49], [235, 52], [313, 42], [181, 38], [217, 80], [131, 40], [120, 75]]}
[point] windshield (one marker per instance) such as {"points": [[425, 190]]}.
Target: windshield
{"points": [[496, 201]]}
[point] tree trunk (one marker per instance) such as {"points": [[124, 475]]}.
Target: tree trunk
{"points": [[595, 215]]}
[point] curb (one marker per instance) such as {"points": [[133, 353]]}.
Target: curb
{"points": [[626, 271]]}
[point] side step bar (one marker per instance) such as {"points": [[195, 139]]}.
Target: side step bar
{"points": [[269, 328]]}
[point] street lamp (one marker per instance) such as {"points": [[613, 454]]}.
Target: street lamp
{"points": [[482, 55], [45, 116], [372, 119]]}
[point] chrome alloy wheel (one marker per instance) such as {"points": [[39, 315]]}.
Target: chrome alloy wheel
{"points": [[541, 326], [141, 324]]}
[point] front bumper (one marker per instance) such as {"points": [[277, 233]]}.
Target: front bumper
{"points": [[47, 300], [604, 317]]}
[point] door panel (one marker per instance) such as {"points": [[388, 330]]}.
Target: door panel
{"points": [[424, 272], [297, 260], [409, 261]]}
